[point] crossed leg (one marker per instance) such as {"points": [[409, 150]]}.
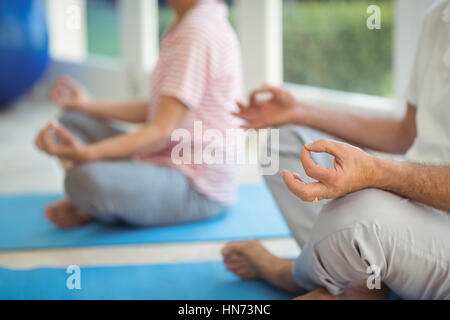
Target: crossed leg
{"points": [[250, 260], [364, 236], [63, 214]]}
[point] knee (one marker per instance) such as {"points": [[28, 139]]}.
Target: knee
{"points": [[279, 142], [347, 240], [367, 207], [81, 178], [286, 136], [84, 186], [69, 118]]}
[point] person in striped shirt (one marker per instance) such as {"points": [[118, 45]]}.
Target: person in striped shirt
{"points": [[132, 178]]}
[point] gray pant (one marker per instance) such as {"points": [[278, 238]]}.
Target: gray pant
{"points": [[138, 194], [367, 235]]}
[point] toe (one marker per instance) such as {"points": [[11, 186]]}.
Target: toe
{"points": [[235, 266], [238, 247], [51, 213], [244, 273], [247, 276], [232, 258], [230, 249]]}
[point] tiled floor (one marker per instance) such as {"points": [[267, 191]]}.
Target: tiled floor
{"points": [[24, 169]]}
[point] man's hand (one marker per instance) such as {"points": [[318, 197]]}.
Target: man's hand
{"points": [[353, 170], [68, 147], [278, 109], [68, 94]]}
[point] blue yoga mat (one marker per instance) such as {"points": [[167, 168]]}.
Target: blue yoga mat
{"points": [[23, 225], [186, 281]]}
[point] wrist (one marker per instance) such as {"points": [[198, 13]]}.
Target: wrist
{"points": [[91, 153], [300, 114], [307, 115], [381, 173], [83, 106]]}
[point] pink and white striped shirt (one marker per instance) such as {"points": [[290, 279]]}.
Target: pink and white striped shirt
{"points": [[200, 65]]}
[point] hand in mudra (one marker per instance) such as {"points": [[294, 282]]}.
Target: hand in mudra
{"points": [[68, 147], [68, 94], [279, 108], [353, 170]]}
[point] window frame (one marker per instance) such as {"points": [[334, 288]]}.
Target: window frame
{"points": [[259, 24], [117, 78]]}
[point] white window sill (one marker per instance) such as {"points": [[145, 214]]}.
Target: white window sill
{"points": [[92, 61], [103, 76], [354, 102]]}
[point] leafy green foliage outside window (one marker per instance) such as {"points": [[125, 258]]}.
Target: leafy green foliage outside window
{"points": [[327, 44], [103, 27]]}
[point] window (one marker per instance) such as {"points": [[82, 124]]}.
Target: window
{"points": [[166, 15], [103, 27], [86, 34], [327, 44]]}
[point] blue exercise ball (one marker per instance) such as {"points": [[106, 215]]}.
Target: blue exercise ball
{"points": [[23, 47]]}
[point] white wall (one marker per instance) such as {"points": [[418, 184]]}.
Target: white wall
{"points": [[408, 17], [260, 34], [67, 29]]}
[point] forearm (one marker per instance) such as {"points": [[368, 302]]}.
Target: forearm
{"points": [[148, 139], [427, 184], [378, 133], [133, 111]]}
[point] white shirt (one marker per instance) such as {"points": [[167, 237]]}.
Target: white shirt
{"points": [[429, 88]]}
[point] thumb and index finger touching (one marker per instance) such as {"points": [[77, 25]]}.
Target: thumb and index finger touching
{"points": [[62, 133]]}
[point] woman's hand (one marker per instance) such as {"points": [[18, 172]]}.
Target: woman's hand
{"points": [[353, 170], [67, 148], [278, 109], [68, 94]]}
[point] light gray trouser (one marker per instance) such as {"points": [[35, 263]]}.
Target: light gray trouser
{"points": [[352, 238], [138, 194]]}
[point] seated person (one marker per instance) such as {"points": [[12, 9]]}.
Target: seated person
{"points": [[130, 177], [389, 225]]}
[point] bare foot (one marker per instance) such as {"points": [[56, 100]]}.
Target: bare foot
{"points": [[250, 260], [359, 291], [356, 291], [319, 294], [64, 215]]}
